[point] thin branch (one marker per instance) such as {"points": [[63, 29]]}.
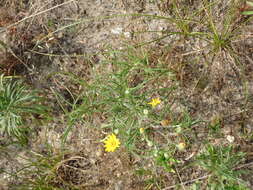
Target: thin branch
{"points": [[181, 182], [204, 177], [34, 15], [244, 165], [186, 182]]}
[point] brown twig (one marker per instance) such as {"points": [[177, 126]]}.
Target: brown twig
{"points": [[186, 182], [203, 177], [34, 15]]}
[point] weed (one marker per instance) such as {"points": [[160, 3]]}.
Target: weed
{"points": [[16, 104], [221, 162], [164, 159], [220, 36]]}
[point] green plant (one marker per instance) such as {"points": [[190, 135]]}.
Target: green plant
{"points": [[221, 162], [16, 104], [220, 34], [167, 161]]}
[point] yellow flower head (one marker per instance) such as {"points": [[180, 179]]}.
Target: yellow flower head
{"points": [[142, 130], [111, 143], [181, 146], [154, 102]]}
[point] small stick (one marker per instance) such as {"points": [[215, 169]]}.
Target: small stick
{"points": [[186, 182], [34, 15], [181, 182], [204, 177]]}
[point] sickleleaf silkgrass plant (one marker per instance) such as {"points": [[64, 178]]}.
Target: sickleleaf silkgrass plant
{"points": [[16, 103]]}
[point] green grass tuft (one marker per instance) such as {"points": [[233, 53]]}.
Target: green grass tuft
{"points": [[17, 102]]}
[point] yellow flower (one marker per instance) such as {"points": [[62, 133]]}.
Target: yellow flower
{"points": [[111, 143], [181, 146], [154, 102], [142, 130]]}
